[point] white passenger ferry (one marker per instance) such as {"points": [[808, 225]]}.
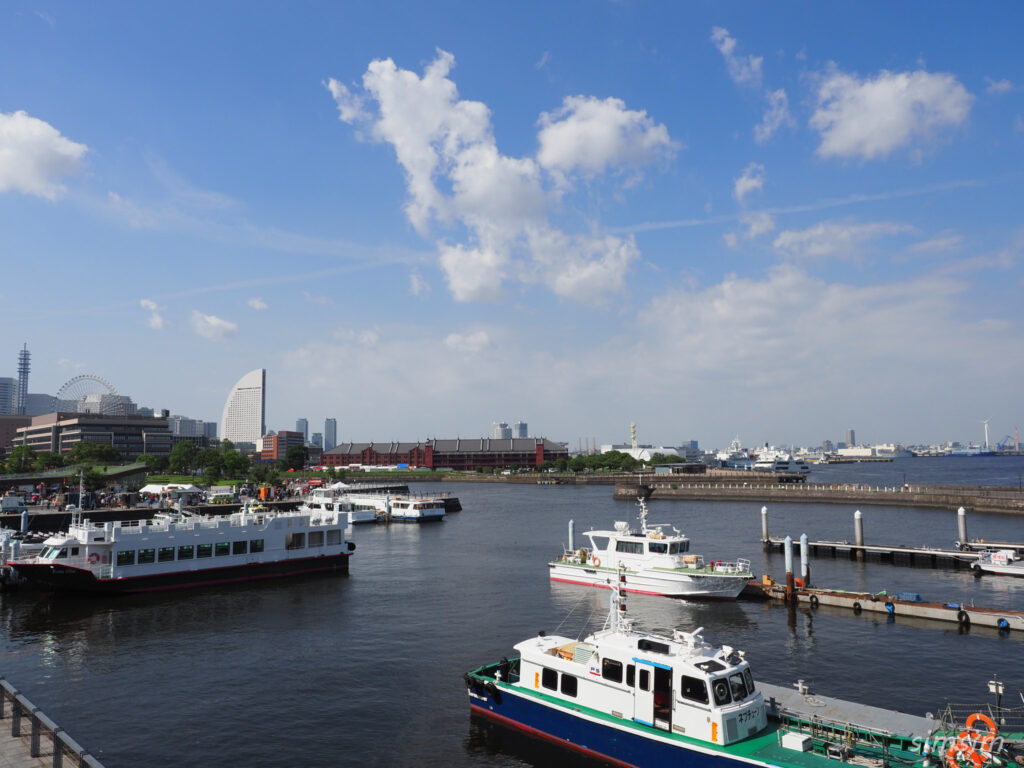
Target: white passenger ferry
{"points": [[179, 549], [653, 562], [332, 499], [401, 508], [634, 698]]}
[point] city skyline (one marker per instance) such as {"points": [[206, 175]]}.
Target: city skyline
{"points": [[710, 220]]}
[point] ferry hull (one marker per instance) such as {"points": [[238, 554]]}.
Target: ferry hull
{"points": [[66, 580], [631, 745], [709, 587]]}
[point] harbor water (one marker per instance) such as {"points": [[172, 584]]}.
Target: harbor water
{"points": [[366, 669]]}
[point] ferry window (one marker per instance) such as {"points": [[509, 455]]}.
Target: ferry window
{"points": [[316, 538], [147, 556], [657, 547], [694, 689], [650, 645], [239, 547], [630, 675], [295, 541], [256, 545], [549, 679], [204, 550], [126, 557], [568, 685], [721, 689], [333, 537], [631, 547], [739, 688], [63, 552], [186, 552], [164, 554], [611, 670], [74, 551], [750, 679], [222, 548], [645, 679], [673, 548]]}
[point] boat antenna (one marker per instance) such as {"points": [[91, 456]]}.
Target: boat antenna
{"points": [[643, 514], [617, 619]]}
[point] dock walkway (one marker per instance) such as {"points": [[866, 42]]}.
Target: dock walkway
{"points": [[29, 738]]}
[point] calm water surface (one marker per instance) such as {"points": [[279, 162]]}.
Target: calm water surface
{"points": [[366, 669]]}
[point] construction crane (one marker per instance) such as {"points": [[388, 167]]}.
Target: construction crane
{"points": [[1010, 442]]}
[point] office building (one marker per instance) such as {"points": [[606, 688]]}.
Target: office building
{"points": [[131, 436], [210, 430], [500, 430], [851, 439], [481, 453], [244, 418], [302, 425], [330, 433], [317, 439], [276, 445], [8, 395], [519, 429]]}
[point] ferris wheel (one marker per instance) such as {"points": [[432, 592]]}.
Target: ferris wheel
{"points": [[88, 393]]}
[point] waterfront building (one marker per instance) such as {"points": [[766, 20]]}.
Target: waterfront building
{"points": [[457, 454], [131, 435], [851, 438], [244, 416], [302, 425], [182, 426], [330, 433], [275, 445], [9, 424], [500, 430], [519, 429]]}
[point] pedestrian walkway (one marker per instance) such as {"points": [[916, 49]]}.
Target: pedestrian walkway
{"points": [[28, 738]]}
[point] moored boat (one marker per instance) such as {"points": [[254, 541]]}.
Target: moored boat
{"points": [[405, 508], [654, 562], [333, 499], [178, 549], [1003, 562], [635, 698]]}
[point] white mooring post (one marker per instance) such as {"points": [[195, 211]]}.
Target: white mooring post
{"points": [[961, 526], [805, 561], [764, 525], [787, 547], [572, 535], [858, 532]]}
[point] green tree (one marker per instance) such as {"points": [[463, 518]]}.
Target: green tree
{"points": [[211, 461], [93, 479], [48, 460], [235, 464], [153, 463], [183, 457], [295, 457], [86, 453], [22, 459]]}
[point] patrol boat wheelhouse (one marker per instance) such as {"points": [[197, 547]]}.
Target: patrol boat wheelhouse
{"points": [[179, 549], [635, 698], [654, 562]]}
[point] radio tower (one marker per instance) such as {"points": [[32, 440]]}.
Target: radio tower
{"points": [[24, 357]]}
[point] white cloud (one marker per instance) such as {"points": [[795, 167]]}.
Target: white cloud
{"points": [[776, 115], [871, 118], [34, 156], [313, 298], [757, 223], [744, 70], [944, 242], [212, 327], [592, 135], [417, 285], [834, 238], [752, 179], [495, 207], [998, 86], [156, 320], [472, 342], [543, 61], [350, 106], [257, 303]]}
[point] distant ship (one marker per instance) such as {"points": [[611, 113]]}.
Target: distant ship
{"points": [[971, 450]]}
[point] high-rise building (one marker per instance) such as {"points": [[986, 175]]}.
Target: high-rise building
{"points": [[210, 429], [519, 429], [500, 430], [8, 395], [244, 416], [317, 439], [37, 404], [330, 433], [182, 426], [851, 440], [302, 425], [24, 358]]}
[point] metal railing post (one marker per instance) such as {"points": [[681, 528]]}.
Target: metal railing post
{"points": [[33, 749], [58, 748]]}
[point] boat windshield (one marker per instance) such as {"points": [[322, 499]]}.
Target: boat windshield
{"points": [[53, 553]]}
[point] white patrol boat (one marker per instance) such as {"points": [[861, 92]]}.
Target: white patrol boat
{"points": [[333, 499], [401, 509], [1003, 562], [653, 563], [179, 549], [633, 698]]}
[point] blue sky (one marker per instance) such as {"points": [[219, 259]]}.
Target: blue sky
{"points": [[777, 221]]}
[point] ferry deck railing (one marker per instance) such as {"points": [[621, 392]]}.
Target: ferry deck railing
{"points": [[65, 750]]}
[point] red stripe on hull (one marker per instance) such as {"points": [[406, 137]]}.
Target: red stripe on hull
{"points": [[644, 591], [547, 736]]}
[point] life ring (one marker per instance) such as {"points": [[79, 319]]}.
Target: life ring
{"points": [[814, 601], [597, 562], [985, 719], [93, 558], [963, 618], [856, 608]]}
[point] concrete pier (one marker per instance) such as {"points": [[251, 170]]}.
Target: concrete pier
{"points": [[29, 738]]}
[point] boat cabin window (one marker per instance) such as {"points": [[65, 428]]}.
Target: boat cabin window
{"points": [[721, 689], [164, 554], [256, 545], [295, 541], [645, 644], [694, 689], [630, 547], [750, 680], [549, 679], [645, 679], [147, 556], [186, 552], [62, 553], [74, 551], [334, 537], [630, 675], [657, 547], [316, 538], [611, 670], [239, 547], [126, 557], [739, 687], [677, 547], [569, 685], [204, 550], [222, 548]]}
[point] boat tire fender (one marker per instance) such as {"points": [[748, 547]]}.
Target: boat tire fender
{"points": [[963, 618], [1003, 624], [814, 601], [857, 609], [890, 607], [351, 546], [493, 692]]}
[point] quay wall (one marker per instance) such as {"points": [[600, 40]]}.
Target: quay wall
{"points": [[972, 498]]}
